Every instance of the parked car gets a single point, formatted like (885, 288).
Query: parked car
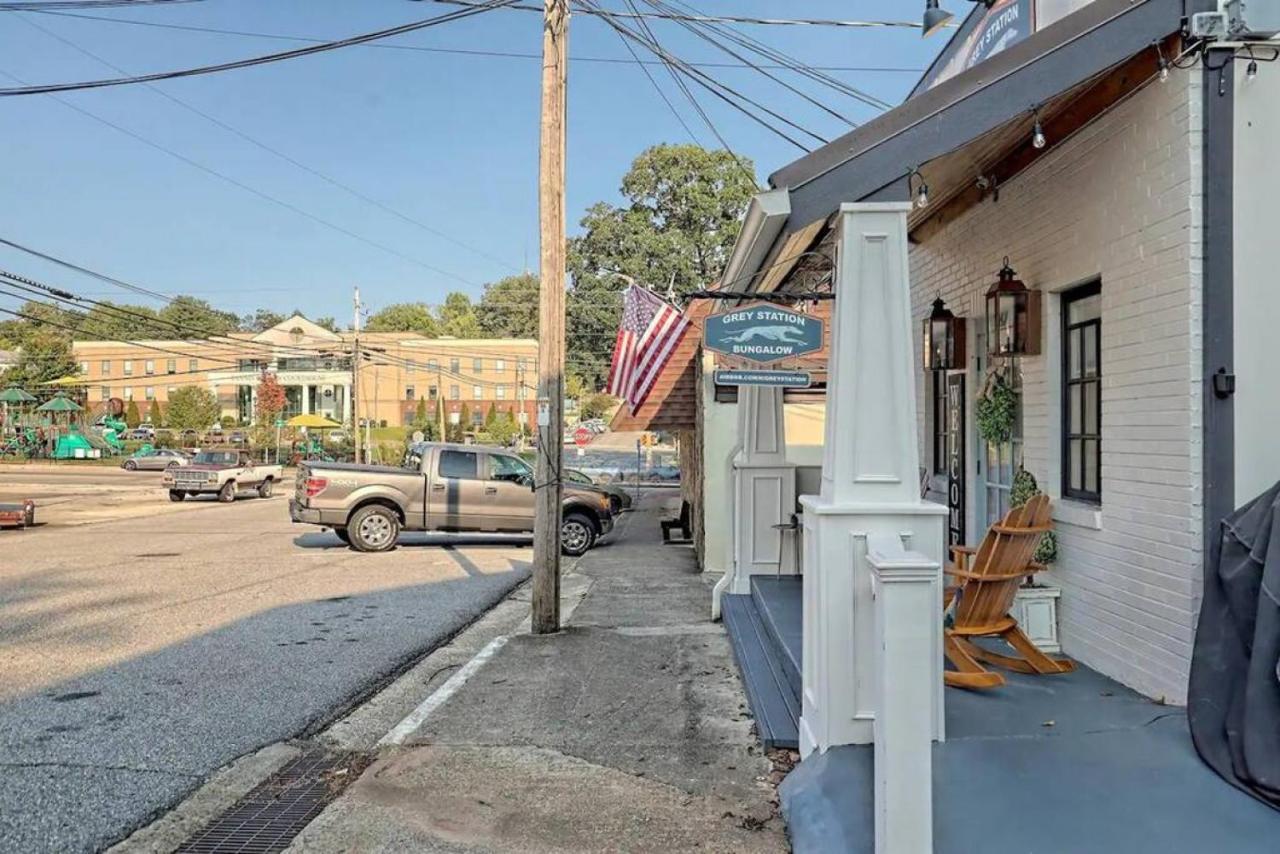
(156, 459)
(440, 487)
(619, 498)
(238, 437)
(228, 474)
(143, 434)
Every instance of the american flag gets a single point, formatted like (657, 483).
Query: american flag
(649, 333)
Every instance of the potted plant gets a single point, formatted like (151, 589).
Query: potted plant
(1036, 605)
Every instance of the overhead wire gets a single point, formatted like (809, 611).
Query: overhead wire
(274, 151)
(860, 69)
(337, 44)
(661, 94)
(733, 19)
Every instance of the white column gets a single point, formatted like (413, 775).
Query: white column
(870, 478)
(306, 399)
(907, 590)
(346, 403)
(764, 493)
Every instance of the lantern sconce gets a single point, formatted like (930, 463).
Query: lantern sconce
(1013, 316)
(944, 339)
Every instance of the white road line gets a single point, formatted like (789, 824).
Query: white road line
(441, 695)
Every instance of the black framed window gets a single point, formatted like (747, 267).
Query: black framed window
(1082, 393)
(939, 422)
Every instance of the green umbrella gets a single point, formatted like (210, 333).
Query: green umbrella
(59, 403)
(13, 394)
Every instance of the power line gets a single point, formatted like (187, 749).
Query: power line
(663, 95)
(703, 79)
(253, 190)
(727, 19)
(449, 17)
(45, 5)
(861, 69)
(276, 152)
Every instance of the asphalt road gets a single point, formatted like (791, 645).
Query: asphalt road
(139, 655)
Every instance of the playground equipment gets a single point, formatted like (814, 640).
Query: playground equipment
(74, 445)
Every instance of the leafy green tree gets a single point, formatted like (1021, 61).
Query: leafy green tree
(261, 320)
(45, 355)
(503, 429)
(328, 323)
(595, 406)
(155, 414)
(458, 317)
(575, 387)
(198, 318)
(509, 307)
(420, 413)
(491, 416)
(131, 415)
(193, 407)
(38, 319)
(682, 215)
(119, 321)
(405, 317)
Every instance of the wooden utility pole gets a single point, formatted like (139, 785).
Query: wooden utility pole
(355, 375)
(547, 507)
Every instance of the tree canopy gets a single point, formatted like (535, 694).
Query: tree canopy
(193, 407)
(509, 307)
(682, 214)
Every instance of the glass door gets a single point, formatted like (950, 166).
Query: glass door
(997, 462)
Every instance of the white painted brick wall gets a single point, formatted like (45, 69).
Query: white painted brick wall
(1120, 200)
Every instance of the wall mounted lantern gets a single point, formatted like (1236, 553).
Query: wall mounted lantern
(1013, 316)
(943, 339)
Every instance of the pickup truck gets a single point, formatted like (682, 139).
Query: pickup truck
(227, 474)
(439, 487)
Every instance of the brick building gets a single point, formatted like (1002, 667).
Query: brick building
(397, 371)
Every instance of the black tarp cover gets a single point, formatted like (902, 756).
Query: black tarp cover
(1233, 702)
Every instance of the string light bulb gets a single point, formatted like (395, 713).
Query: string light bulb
(922, 195)
(1037, 135)
(1164, 69)
(1251, 71)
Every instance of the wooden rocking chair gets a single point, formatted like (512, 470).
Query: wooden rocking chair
(988, 579)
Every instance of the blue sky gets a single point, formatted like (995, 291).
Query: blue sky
(448, 140)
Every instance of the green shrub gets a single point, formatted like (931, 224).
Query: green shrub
(1023, 489)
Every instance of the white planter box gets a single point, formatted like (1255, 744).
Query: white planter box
(1036, 610)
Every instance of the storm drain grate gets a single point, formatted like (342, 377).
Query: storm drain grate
(268, 818)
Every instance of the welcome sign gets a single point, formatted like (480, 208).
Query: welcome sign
(762, 333)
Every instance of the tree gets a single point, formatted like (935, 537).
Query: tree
(261, 320)
(45, 355)
(271, 399)
(111, 321)
(575, 387)
(503, 429)
(131, 415)
(420, 413)
(491, 416)
(509, 307)
(458, 317)
(197, 318)
(682, 216)
(327, 323)
(595, 406)
(193, 407)
(155, 414)
(405, 317)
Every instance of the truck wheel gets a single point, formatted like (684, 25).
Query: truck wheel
(228, 492)
(343, 535)
(577, 535)
(373, 528)
(176, 495)
(264, 489)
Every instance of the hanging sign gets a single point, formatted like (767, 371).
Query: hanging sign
(955, 459)
(762, 333)
(777, 379)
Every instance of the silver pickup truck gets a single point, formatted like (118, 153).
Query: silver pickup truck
(439, 487)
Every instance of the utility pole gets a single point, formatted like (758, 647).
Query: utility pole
(547, 506)
(440, 403)
(355, 376)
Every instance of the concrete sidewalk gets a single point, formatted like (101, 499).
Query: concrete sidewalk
(628, 731)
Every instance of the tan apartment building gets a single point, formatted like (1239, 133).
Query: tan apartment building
(397, 371)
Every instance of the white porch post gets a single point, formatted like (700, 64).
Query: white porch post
(306, 399)
(870, 481)
(346, 402)
(764, 490)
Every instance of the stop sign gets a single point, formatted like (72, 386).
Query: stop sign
(582, 436)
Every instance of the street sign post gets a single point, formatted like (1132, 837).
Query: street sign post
(776, 379)
(762, 333)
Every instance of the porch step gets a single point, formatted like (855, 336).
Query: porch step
(780, 601)
(774, 704)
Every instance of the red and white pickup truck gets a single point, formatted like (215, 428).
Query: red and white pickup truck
(227, 474)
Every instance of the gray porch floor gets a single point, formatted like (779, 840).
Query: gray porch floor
(1059, 764)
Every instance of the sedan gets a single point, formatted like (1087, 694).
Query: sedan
(159, 459)
(619, 498)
